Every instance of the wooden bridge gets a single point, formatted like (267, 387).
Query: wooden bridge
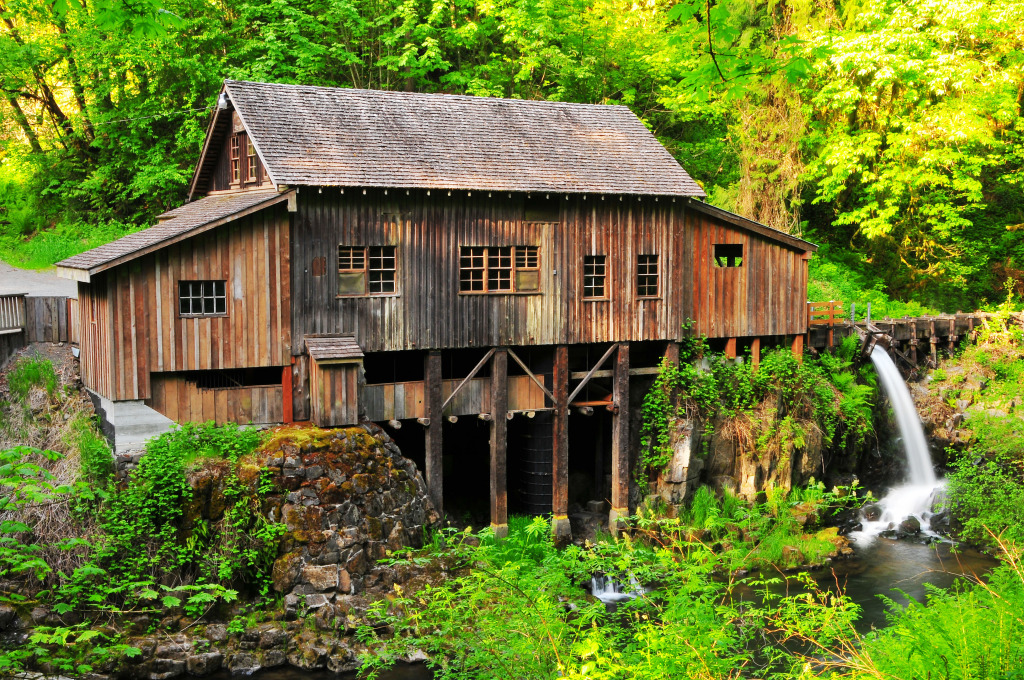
(915, 340)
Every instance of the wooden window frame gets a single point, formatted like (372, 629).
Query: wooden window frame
(365, 257)
(643, 264)
(727, 255)
(252, 163)
(524, 269)
(588, 275)
(234, 154)
(217, 292)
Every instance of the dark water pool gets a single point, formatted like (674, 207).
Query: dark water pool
(897, 569)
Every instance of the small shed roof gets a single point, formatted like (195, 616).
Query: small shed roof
(175, 225)
(333, 348)
(330, 136)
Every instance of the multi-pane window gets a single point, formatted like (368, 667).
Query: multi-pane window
(366, 270)
(728, 254)
(647, 276)
(202, 298)
(595, 273)
(236, 150)
(499, 269)
(252, 163)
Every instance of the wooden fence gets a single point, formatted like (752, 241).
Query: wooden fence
(12, 314)
(25, 319)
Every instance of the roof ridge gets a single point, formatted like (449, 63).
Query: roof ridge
(465, 97)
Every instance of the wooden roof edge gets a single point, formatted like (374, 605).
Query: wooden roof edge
(73, 273)
(750, 225)
(273, 199)
(193, 185)
(251, 137)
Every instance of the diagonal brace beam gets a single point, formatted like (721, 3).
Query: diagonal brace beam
(467, 379)
(532, 376)
(595, 369)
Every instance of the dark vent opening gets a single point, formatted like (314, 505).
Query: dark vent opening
(235, 377)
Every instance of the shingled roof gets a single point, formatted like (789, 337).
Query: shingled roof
(176, 224)
(330, 136)
(333, 348)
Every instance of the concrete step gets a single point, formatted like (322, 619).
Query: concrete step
(129, 424)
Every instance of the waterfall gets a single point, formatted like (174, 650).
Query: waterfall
(609, 591)
(915, 499)
(919, 460)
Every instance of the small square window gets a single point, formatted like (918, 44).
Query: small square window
(202, 298)
(366, 270)
(647, 276)
(595, 272)
(728, 254)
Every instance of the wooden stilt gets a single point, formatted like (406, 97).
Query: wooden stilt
(499, 431)
(798, 348)
(620, 440)
(730, 348)
(934, 343)
(286, 390)
(560, 455)
(672, 352)
(755, 353)
(433, 435)
(913, 342)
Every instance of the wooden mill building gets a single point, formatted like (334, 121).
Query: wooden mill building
(470, 271)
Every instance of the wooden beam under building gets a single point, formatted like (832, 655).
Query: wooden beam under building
(499, 442)
(560, 443)
(620, 440)
(433, 435)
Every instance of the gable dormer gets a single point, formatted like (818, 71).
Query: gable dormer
(230, 160)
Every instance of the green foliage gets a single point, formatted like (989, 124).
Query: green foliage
(29, 372)
(778, 398)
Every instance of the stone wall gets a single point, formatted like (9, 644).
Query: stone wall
(351, 497)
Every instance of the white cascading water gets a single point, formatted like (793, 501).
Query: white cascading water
(917, 496)
(609, 591)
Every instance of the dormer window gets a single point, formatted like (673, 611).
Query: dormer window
(252, 163)
(236, 150)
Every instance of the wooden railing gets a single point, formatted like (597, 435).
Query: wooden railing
(824, 313)
(12, 313)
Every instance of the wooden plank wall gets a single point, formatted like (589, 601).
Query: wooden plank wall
(182, 401)
(396, 401)
(765, 297)
(74, 322)
(9, 344)
(140, 307)
(334, 394)
(97, 334)
(46, 319)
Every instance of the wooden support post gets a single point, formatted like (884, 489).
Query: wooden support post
(730, 348)
(798, 348)
(755, 353)
(432, 436)
(672, 352)
(286, 390)
(499, 431)
(560, 443)
(934, 341)
(913, 343)
(620, 441)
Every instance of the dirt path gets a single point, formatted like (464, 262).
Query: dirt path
(35, 283)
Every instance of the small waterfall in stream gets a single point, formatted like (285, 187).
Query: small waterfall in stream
(609, 591)
(916, 497)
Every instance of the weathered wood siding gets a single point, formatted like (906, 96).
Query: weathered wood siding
(395, 401)
(766, 296)
(182, 401)
(138, 330)
(334, 393)
(97, 334)
(763, 297)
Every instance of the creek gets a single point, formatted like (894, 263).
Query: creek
(882, 568)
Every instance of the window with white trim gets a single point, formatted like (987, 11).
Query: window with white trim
(202, 298)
